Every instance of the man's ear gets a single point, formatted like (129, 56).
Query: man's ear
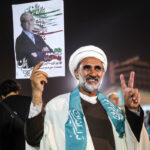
(76, 74)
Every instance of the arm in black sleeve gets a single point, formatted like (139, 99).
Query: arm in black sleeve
(34, 128)
(135, 122)
(44, 44)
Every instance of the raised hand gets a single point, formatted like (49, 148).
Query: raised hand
(131, 94)
(38, 78)
(45, 49)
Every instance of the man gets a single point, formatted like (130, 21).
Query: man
(85, 119)
(113, 96)
(13, 111)
(30, 48)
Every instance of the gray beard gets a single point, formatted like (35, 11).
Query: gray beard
(87, 87)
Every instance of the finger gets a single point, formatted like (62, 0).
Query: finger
(43, 80)
(37, 66)
(137, 100)
(136, 96)
(38, 77)
(139, 97)
(129, 92)
(123, 83)
(38, 72)
(131, 79)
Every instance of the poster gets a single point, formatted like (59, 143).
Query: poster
(39, 36)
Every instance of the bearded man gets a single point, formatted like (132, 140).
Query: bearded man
(85, 119)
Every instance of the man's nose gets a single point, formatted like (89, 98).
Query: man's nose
(93, 72)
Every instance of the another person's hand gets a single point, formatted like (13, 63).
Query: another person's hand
(131, 95)
(34, 54)
(45, 49)
(38, 78)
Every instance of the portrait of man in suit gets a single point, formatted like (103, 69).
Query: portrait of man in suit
(30, 48)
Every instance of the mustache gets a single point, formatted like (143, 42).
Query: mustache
(92, 78)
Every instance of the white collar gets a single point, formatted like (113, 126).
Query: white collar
(92, 100)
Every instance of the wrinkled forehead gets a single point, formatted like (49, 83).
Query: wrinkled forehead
(90, 61)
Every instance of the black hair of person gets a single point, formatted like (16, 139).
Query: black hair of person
(9, 86)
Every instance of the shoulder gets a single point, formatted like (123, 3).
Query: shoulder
(22, 34)
(18, 99)
(21, 37)
(26, 99)
(57, 110)
(58, 102)
(21, 97)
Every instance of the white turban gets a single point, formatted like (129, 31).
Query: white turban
(84, 52)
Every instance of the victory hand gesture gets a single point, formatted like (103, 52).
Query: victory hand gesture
(131, 95)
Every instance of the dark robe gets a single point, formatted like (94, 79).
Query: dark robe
(11, 130)
(99, 126)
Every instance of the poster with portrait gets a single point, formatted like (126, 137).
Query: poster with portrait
(39, 36)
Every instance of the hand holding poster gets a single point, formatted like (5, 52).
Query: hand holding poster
(39, 36)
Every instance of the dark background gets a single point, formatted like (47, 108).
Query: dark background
(121, 29)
